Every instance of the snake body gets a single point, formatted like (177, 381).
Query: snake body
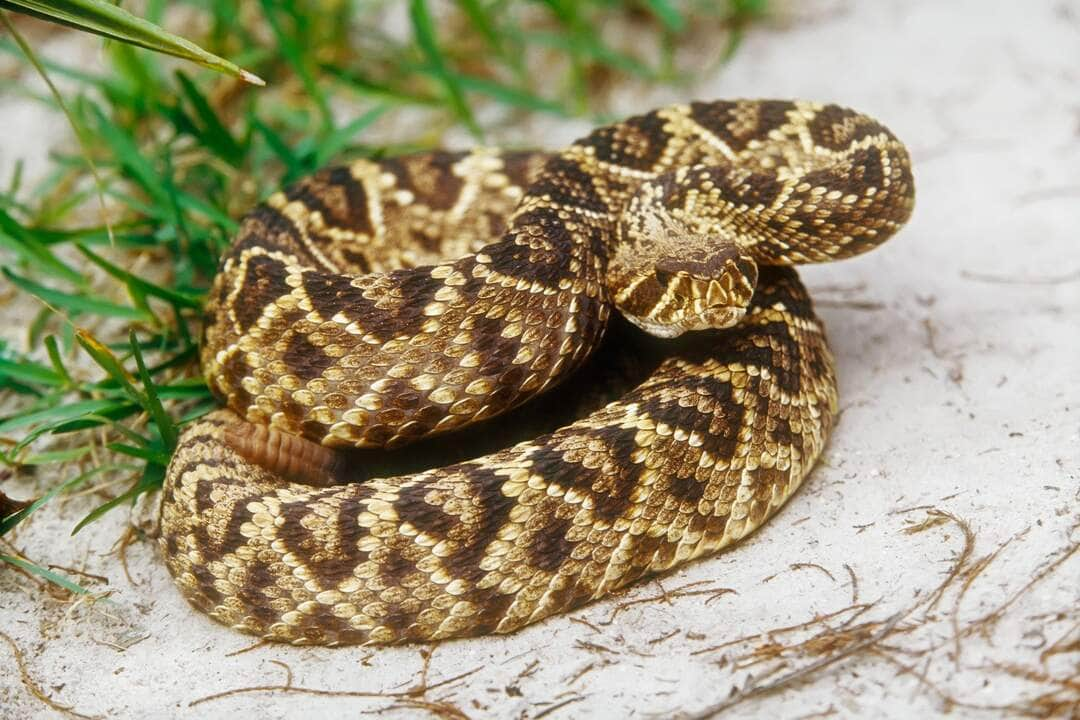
(381, 303)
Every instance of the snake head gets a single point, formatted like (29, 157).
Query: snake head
(697, 292)
(676, 264)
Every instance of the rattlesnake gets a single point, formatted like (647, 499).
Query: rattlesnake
(387, 301)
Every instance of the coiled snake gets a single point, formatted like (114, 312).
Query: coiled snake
(381, 303)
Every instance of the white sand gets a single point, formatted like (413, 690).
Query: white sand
(957, 347)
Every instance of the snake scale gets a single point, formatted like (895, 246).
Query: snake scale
(386, 302)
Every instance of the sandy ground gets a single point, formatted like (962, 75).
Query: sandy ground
(955, 463)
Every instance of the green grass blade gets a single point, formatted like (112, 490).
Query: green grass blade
(510, 96)
(55, 578)
(198, 411)
(185, 392)
(57, 415)
(150, 455)
(132, 435)
(111, 416)
(7, 523)
(31, 373)
(126, 152)
(127, 234)
(67, 302)
(110, 364)
(278, 145)
(297, 57)
(151, 478)
(108, 20)
(378, 91)
(480, 17)
(76, 127)
(213, 133)
(585, 46)
(58, 365)
(424, 33)
(186, 201)
(16, 179)
(671, 18)
(137, 284)
(336, 141)
(21, 241)
(153, 402)
(140, 73)
(55, 456)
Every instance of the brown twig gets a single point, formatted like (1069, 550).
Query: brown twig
(969, 578)
(815, 566)
(1063, 644)
(593, 647)
(122, 545)
(82, 573)
(996, 614)
(799, 674)
(248, 648)
(935, 517)
(586, 670)
(411, 697)
(1046, 705)
(665, 636)
(586, 623)
(666, 596)
(557, 706)
(790, 628)
(854, 584)
(9, 506)
(35, 689)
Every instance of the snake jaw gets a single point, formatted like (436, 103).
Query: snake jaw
(681, 295)
(714, 318)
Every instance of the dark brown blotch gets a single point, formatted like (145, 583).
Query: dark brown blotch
(205, 579)
(264, 282)
(837, 128)
(331, 294)
(304, 359)
(412, 507)
(780, 431)
(567, 183)
(492, 605)
(638, 142)
(480, 524)
(251, 593)
(337, 196)
(330, 562)
(394, 567)
(609, 486)
(707, 407)
(546, 546)
(549, 262)
(726, 120)
(435, 178)
(522, 168)
(266, 227)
